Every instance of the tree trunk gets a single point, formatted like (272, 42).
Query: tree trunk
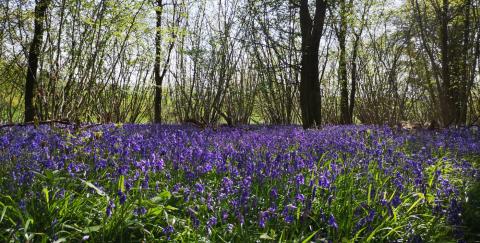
(342, 65)
(310, 98)
(41, 7)
(156, 69)
(447, 102)
(466, 68)
(354, 78)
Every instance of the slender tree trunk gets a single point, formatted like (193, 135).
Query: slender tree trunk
(41, 7)
(466, 67)
(310, 97)
(156, 69)
(354, 79)
(342, 65)
(53, 90)
(446, 98)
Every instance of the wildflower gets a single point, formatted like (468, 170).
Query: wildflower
(274, 193)
(300, 197)
(289, 219)
(299, 179)
(168, 230)
(230, 228)
(110, 207)
(396, 201)
(159, 164)
(122, 196)
(199, 187)
(323, 182)
(145, 182)
(224, 215)
(211, 222)
(263, 218)
(371, 215)
(332, 222)
(330, 199)
(140, 211)
(240, 218)
(227, 184)
(22, 204)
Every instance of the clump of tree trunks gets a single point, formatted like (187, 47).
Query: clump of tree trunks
(309, 62)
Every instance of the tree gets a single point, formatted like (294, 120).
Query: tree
(347, 103)
(159, 75)
(450, 41)
(156, 70)
(272, 33)
(311, 31)
(41, 7)
(342, 64)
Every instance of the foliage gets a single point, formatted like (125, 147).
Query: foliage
(123, 183)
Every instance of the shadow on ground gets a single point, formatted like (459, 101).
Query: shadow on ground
(471, 214)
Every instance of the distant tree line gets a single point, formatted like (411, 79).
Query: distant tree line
(239, 62)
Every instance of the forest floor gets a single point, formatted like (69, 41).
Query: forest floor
(124, 183)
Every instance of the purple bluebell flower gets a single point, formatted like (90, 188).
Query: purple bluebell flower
(168, 230)
(224, 216)
(323, 181)
(289, 219)
(274, 193)
(227, 184)
(300, 197)
(122, 196)
(145, 182)
(230, 228)
(240, 218)
(332, 222)
(199, 187)
(300, 179)
(140, 211)
(396, 201)
(212, 221)
(371, 215)
(110, 207)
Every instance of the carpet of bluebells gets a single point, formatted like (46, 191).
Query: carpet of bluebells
(143, 183)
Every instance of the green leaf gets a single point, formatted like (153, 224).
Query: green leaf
(165, 195)
(395, 230)
(369, 194)
(374, 232)
(49, 175)
(155, 211)
(430, 198)
(306, 240)
(98, 190)
(281, 236)
(60, 240)
(171, 208)
(3, 213)
(27, 224)
(91, 229)
(265, 236)
(45, 192)
(421, 197)
(121, 183)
